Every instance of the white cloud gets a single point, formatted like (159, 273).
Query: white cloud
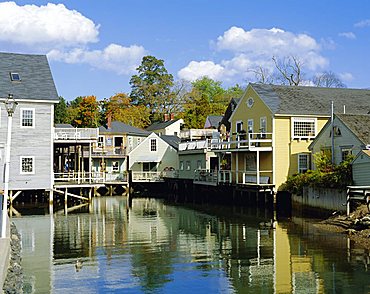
(49, 26)
(346, 76)
(363, 23)
(116, 58)
(195, 70)
(255, 48)
(348, 35)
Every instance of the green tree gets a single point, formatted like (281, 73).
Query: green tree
(151, 87)
(60, 112)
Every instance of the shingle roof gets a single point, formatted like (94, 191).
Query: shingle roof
(301, 100)
(118, 127)
(36, 79)
(160, 125)
(358, 124)
(173, 141)
(214, 120)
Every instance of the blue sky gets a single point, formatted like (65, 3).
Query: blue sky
(94, 46)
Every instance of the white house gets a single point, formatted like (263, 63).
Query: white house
(29, 79)
(169, 127)
(155, 154)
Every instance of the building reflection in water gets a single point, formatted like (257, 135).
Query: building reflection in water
(155, 246)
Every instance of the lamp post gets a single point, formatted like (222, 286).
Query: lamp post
(10, 105)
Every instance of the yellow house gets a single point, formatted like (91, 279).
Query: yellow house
(272, 127)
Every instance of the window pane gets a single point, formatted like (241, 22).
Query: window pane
(304, 128)
(303, 162)
(27, 118)
(27, 165)
(153, 145)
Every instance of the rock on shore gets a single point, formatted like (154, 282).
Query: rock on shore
(356, 225)
(14, 278)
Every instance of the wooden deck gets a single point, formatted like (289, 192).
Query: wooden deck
(358, 193)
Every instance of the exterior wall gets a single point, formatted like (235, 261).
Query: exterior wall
(193, 158)
(361, 170)
(287, 149)
(166, 156)
(347, 138)
(36, 142)
(330, 199)
(258, 110)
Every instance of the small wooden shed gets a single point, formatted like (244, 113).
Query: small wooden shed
(361, 168)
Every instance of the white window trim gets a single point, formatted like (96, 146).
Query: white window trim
(263, 118)
(236, 125)
(181, 165)
(103, 143)
(33, 118)
(33, 165)
(156, 145)
(303, 119)
(307, 155)
(188, 165)
(250, 124)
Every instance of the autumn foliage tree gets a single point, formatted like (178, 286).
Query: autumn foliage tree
(120, 108)
(87, 113)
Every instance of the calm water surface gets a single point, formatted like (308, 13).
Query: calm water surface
(154, 247)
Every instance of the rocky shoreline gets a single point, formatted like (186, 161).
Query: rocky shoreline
(14, 278)
(356, 226)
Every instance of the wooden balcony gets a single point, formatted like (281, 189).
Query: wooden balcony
(82, 178)
(244, 142)
(109, 151)
(76, 134)
(147, 176)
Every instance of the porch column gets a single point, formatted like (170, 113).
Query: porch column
(237, 167)
(90, 162)
(258, 167)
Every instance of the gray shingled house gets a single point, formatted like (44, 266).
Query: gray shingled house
(351, 135)
(29, 79)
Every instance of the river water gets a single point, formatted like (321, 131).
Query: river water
(156, 247)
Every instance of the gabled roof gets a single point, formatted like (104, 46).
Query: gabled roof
(300, 100)
(161, 125)
(358, 124)
(229, 110)
(214, 120)
(173, 141)
(36, 81)
(118, 127)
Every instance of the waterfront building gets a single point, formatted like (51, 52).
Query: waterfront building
(170, 126)
(115, 141)
(153, 157)
(272, 127)
(351, 135)
(28, 78)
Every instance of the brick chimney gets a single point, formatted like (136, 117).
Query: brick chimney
(166, 117)
(109, 120)
(172, 116)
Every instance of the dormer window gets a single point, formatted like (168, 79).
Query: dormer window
(15, 77)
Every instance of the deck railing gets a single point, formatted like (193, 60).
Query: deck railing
(89, 177)
(62, 134)
(146, 176)
(244, 141)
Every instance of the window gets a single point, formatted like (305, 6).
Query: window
(199, 164)
(27, 165)
(101, 141)
(250, 125)
(238, 126)
(303, 162)
(130, 143)
(181, 165)
(263, 124)
(303, 128)
(115, 166)
(15, 77)
(27, 117)
(153, 145)
(188, 165)
(346, 152)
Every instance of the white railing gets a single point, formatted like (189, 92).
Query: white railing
(194, 134)
(195, 145)
(244, 141)
(173, 174)
(204, 175)
(86, 177)
(142, 176)
(76, 133)
(99, 151)
(225, 176)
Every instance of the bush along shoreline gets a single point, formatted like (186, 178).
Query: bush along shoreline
(14, 278)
